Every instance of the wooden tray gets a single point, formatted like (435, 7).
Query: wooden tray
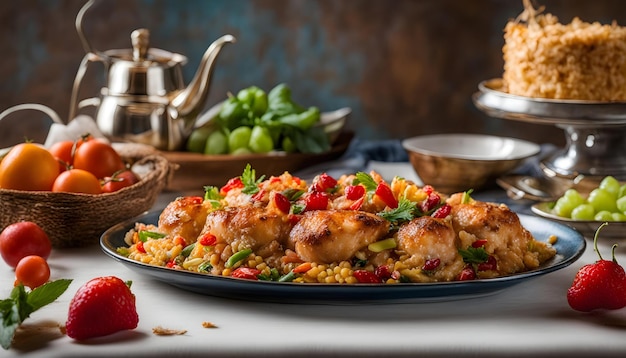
(198, 170)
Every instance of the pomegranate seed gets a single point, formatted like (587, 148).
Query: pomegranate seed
(430, 203)
(316, 201)
(324, 182)
(489, 265)
(431, 264)
(479, 243)
(442, 212)
(467, 274)
(364, 276)
(383, 272)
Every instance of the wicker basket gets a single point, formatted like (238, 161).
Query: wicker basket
(75, 220)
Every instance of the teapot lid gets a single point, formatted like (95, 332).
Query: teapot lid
(143, 70)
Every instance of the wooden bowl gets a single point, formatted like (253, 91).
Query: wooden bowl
(194, 170)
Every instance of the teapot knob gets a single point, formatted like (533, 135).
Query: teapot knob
(140, 39)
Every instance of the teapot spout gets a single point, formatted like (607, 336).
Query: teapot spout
(189, 102)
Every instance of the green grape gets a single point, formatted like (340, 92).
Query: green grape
(603, 216)
(601, 199)
(260, 140)
(197, 139)
(574, 197)
(610, 184)
(217, 143)
(241, 151)
(239, 138)
(563, 207)
(618, 217)
(583, 212)
(288, 145)
(622, 191)
(621, 204)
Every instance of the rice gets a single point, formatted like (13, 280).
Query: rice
(546, 59)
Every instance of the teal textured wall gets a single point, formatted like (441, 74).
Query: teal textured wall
(406, 67)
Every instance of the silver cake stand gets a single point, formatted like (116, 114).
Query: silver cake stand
(595, 132)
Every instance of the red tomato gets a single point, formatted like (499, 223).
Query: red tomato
(119, 180)
(383, 191)
(246, 272)
(354, 192)
(28, 166)
(62, 151)
(77, 181)
(98, 158)
(22, 239)
(32, 271)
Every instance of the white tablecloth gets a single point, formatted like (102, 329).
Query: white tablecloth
(530, 319)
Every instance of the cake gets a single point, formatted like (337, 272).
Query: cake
(577, 61)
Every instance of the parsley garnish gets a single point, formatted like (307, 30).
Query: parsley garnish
(466, 199)
(368, 182)
(474, 255)
(404, 212)
(250, 183)
(212, 194)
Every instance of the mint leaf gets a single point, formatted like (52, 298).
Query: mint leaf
(21, 304)
(47, 293)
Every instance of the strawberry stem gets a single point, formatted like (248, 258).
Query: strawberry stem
(595, 240)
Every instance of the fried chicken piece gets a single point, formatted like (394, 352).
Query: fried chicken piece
(183, 217)
(248, 226)
(327, 236)
(427, 238)
(506, 239)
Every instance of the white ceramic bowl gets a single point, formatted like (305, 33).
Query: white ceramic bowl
(459, 162)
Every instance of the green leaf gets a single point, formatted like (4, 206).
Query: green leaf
(367, 181)
(145, 235)
(212, 194)
(47, 293)
(474, 255)
(250, 183)
(21, 304)
(404, 212)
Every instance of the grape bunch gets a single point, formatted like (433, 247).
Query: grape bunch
(254, 121)
(607, 202)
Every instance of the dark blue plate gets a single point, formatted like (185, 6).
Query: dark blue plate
(570, 246)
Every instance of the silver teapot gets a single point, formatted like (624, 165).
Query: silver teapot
(145, 99)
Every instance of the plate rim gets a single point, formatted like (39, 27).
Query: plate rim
(408, 292)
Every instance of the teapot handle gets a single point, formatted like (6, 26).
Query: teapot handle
(35, 107)
(75, 104)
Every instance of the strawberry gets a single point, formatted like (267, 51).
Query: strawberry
(601, 285)
(102, 306)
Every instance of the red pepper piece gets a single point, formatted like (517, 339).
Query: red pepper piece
(282, 203)
(140, 247)
(246, 272)
(324, 182)
(383, 191)
(208, 239)
(316, 201)
(357, 204)
(231, 184)
(354, 192)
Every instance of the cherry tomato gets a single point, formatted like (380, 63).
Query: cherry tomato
(119, 180)
(28, 166)
(63, 152)
(98, 158)
(354, 192)
(22, 239)
(77, 181)
(282, 203)
(324, 182)
(32, 271)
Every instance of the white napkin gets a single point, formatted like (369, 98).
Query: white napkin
(76, 128)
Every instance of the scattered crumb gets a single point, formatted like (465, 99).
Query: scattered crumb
(160, 331)
(206, 324)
